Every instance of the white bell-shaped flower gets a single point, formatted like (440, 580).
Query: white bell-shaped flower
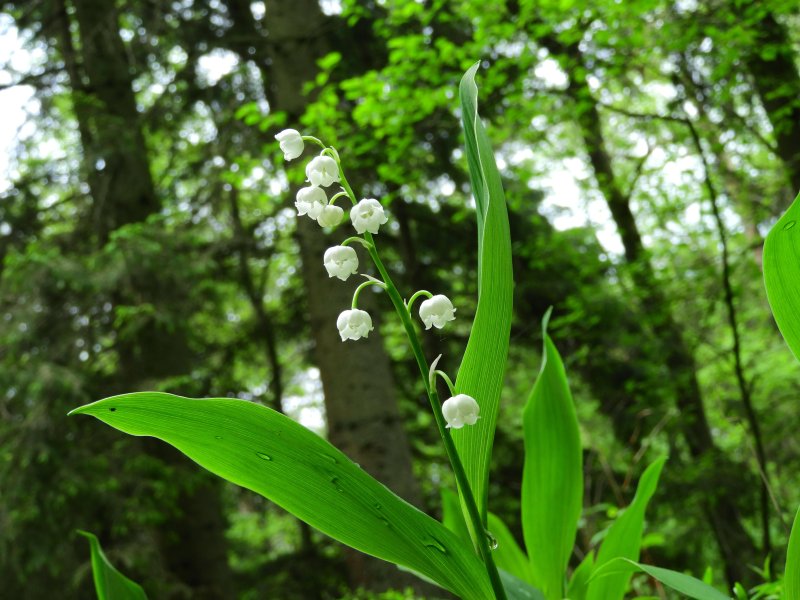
(330, 216)
(436, 311)
(322, 170)
(368, 215)
(310, 201)
(354, 324)
(460, 410)
(341, 262)
(291, 143)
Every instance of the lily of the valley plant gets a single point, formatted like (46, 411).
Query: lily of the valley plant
(472, 554)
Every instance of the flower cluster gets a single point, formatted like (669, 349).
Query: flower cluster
(366, 216)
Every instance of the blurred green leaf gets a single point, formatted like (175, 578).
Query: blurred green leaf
(552, 477)
(516, 589)
(508, 555)
(685, 584)
(579, 582)
(452, 517)
(782, 274)
(792, 577)
(265, 451)
(624, 538)
(109, 583)
(483, 366)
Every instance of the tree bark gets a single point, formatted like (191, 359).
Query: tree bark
(736, 547)
(771, 63)
(362, 410)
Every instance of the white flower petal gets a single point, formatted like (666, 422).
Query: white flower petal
(368, 215)
(354, 324)
(341, 262)
(330, 216)
(291, 143)
(436, 311)
(460, 410)
(322, 170)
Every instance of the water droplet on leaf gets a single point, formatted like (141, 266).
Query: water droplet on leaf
(789, 225)
(263, 456)
(492, 540)
(434, 544)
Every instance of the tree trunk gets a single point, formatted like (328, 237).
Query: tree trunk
(192, 542)
(772, 66)
(736, 547)
(362, 411)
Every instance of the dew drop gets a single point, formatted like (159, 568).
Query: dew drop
(385, 521)
(789, 225)
(377, 505)
(112, 409)
(329, 458)
(492, 540)
(263, 456)
(434, 544)
(335, 482)
(217, 437)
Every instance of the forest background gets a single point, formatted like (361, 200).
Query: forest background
(148, 241)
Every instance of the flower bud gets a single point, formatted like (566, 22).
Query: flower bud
(460, 410)
(341, 262)
(330, 216)
(354, 324)
(310, 201)
(322, 170)
(436, 311)
(291, 143)
(368, 215)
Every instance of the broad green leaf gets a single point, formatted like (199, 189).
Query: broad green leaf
(265, 451)
(516, 589)
(624, 538)
(552, 477)
(453, 517)
(508, 555)
(782, 274)
(109, 583)
(684, 584)
(791, 580)
(483, 366)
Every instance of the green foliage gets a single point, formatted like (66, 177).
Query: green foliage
(552, 478)
(508, 555)
(483, 365)
(265, 451)
(109, 583)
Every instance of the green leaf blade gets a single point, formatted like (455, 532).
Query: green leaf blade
(552, 477)
(624, 538)
(684, 584)
(265, 451)
(781, 261)
(109, 583)
(483, 366)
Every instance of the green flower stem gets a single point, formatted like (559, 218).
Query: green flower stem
(354, 305)
(416, 295)
(358, 239)
(452, 454)
(336, 196)
(447, 380)
(312, 139)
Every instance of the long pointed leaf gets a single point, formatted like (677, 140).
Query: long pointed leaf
(782, 274)
(483, 366)
(791, 580)
(624, 538)
(552, 477)
(265, 451)
(109, 583)
(685, 584)
(579, 582)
